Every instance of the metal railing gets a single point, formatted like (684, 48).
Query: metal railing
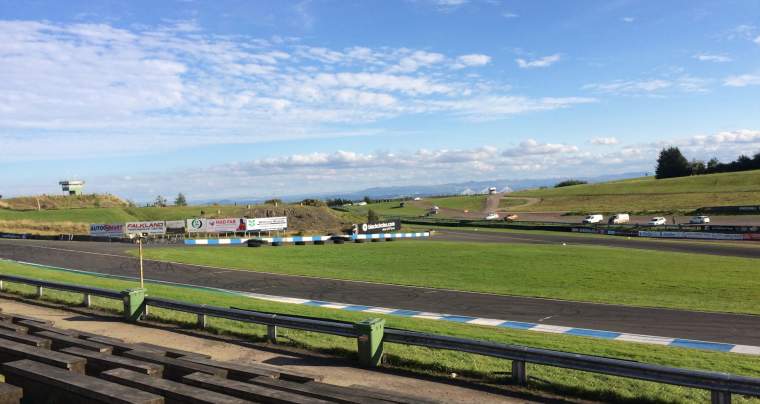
(721, 385)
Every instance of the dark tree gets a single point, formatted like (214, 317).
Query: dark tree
(180, 200)
(698, 167)
(712, 164)
(366, 199)
(672, 163)
(160, 202)
(372, 216)
(568, 183)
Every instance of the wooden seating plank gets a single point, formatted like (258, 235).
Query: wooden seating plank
(15, 318)
(173, 391)
(38, 327)
(27, 339)
(98, 362)
(317, 390)
(247, 391)
(172, 352)
(46, 384)
(174, 369)
(119, 346)
(13, 351)
(8, 326)
(246, 371)
(60, 341)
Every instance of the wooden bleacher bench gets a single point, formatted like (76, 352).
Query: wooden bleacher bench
(15, 318)
(32, 340)
(174, 369)
(60, 341)
(14, 351)
(247, 371)
(34, 326)
(172, 391)
(247, 391)
(99, 362)
(318, 390)
(119, 346)
(172, 352)
(46, 384)
(19, 329)
(10, 394)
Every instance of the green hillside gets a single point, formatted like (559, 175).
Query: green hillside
(650, 194)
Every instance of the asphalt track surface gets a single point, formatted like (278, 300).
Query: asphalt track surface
(110, 258)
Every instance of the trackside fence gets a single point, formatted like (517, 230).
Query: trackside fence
(371, 335)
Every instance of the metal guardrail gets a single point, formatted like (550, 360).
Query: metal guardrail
(721, 385)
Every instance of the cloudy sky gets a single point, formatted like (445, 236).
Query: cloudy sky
(269, 98)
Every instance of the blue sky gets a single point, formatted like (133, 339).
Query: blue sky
(254, 98)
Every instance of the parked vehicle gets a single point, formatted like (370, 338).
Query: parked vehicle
(658, 221)
(700, 220)
(591, 219)
(417, 198)
(492, 216)
(510, 218)
(619, 218)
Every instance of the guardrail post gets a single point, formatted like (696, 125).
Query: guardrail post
(39, 292)
(2, 286)
(86, 300)
(519, 375)
(720, 397)
(370, 341)
(272, 334)
(201, 321)
(134, 303)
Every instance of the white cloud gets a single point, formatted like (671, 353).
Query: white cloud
(743, 80)
(628, 19)
(473, 59)
(605, 141)
(704, 57)
(496, 107)
(757, 40)
(415, 61)
(509, 15)
(545, 61)
(650, 87)
(532, 147)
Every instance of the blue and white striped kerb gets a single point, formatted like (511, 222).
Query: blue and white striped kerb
(215, 241)
(518, 325)
(380, 236)
(303, 239)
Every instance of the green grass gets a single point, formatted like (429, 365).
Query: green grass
(387, 209)
(473, 203)
(510, 202)
(650, 194)
(572, 272)
(437, 363)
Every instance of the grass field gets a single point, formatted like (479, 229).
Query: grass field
(387, 209)
(581, 273)
(474, 203)
(649, 194)
(432, 362)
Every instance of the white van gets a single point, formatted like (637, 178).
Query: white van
(620, 218)
(590, 219)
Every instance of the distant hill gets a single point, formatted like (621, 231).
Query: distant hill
(40, 202)
(649, 194)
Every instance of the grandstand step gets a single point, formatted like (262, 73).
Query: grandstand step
(10, 394)
(34, 326)
(172, 352)
(119, 346)
(46, 384)
(172, 391)
(99, 362)
(60, 341)
(174, 369)
(247, 391)
(247, 371)
(18, 329)
(14, 351)
(16, 318)
(27, 339)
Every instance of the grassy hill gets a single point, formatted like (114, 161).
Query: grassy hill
(472, 203)
(62, 202)
(650, 194)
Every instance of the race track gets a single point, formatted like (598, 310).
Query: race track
(110, 258)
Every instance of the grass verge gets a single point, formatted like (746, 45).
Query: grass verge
(437, 363)
(570, 272)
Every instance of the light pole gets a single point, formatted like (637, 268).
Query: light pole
(140, 249)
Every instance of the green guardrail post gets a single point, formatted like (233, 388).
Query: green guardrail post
(134, 301)
(370, 341)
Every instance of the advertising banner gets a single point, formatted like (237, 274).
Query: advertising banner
(380, 227)
(266, 223)
(175, 226)
(151, 228)
(107, 230)
(202, 225)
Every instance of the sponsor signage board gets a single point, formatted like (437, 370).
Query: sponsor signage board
(107, 230)
(692, 235)
(175, 226)
(203, 225)
(379, 227)
(266, 223)
(153, 228)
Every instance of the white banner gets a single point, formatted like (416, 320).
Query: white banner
(692, 235)
(107, 230)
(155, 227)
(267, 223)
(175, 224)
(202, 225)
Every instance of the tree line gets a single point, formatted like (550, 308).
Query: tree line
(671, 163)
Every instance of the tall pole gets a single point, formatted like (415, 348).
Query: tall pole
(139, 245)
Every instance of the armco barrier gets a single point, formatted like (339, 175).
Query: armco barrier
(371, 336)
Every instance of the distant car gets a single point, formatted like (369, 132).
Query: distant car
(510, 218)
(619, 218)
(591, 219)
(492, 216)
(658, 221)
(699, 220)
(417, 198)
